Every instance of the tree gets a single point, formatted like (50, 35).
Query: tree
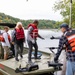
(64, 7)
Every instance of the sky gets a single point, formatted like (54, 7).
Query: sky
(31, 9)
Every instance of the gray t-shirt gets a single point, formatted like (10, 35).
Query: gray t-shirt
(29, 38)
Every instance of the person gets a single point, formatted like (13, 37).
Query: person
(67, 40)
(32, 35)
(1, 49)
(5, 41)
(18, 38)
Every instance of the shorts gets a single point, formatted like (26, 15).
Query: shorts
(6, 49)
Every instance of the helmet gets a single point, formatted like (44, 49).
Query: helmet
(64, 25)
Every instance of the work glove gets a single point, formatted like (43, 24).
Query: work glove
(52, 37)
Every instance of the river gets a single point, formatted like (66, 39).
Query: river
(47, 42)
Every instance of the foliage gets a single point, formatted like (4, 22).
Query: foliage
(64, 7)
(43, 24)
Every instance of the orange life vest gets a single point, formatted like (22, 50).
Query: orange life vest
(34, 33)
(20, 34)
(71, 41)
(2, 38)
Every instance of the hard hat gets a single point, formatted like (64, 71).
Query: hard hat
(64, 25)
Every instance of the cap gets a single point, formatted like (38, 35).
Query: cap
(65, 25)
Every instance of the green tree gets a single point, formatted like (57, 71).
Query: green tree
(64, 7)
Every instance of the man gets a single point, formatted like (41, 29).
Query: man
(68, 39)
(18, 38)
(31, 39)
(5, 40)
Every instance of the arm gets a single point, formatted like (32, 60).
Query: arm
(62, 41)
(13, 35)
(54, 37)
(30, 29)
(40, 36)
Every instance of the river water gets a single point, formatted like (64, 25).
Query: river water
(47, 42)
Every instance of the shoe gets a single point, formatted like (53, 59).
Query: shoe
(17, 59)
(21, 56)
(37, 58)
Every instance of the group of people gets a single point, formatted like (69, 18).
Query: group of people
(17, 38)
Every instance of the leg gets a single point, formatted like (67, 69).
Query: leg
(36, 49)
(2, 52)
(16, 47)
(21, 49)
(12, 49)
(30, 50)
(73, 67)
(69, 70)
(63, 72)
(6, 52)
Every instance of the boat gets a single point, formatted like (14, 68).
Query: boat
(8, 67)
(41, 66)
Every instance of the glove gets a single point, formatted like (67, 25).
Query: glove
(52, 37)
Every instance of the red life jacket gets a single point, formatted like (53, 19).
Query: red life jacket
(71, 41)
(19, 34)
(34, 33)
(2, 38)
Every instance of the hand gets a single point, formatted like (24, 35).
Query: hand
(52, 37)
(12, 43)
(43, 38)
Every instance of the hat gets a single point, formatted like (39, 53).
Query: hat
(64, 25)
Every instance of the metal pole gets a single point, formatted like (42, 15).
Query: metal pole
(70, 25)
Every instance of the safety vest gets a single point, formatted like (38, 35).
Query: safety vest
(71, 41)
(34, 33)
(2, 38)
(19, 34)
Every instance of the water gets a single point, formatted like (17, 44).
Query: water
(44, 44)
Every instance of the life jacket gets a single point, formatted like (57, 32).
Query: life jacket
(2, 38)
(34, 33)
(71, 40)
(19, 34)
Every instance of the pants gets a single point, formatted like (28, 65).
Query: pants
(1, 52)
(63, 59)
(12, 49)
(30, 44)
(70, 68)
(18, 49)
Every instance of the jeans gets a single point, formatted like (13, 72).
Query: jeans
(18, 49)
(30, 44)
(70, 68)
